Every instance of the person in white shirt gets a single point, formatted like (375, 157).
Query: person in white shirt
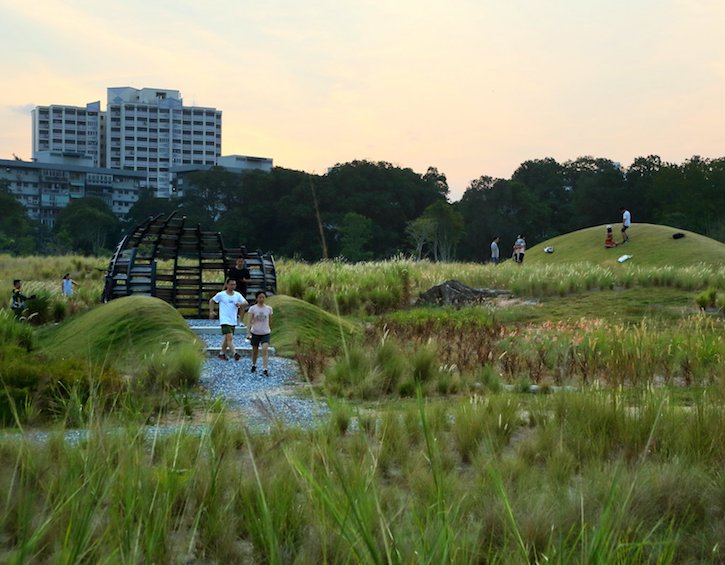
(494, 250)
(519, 249)
(260, 317)
(626, 222)
(230, 303)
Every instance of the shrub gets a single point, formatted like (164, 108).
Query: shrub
(15, 332)
(425, 364)
(33, 383)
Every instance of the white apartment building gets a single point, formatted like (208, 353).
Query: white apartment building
(45, 188)
(75, 130)
(150, 130)
(147, 130)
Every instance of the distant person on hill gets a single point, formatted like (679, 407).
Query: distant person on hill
(240, 273)
(67, 284)
(18, 299)
(260, 317)
(519, 249)
(609, 240)
(230, 302)
(626, 222)
(494, 250)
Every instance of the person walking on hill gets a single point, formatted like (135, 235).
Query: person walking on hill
(626, 222)
(494, 250)
(260, 328)
(520, 249)
(230, 302)
(67, 284)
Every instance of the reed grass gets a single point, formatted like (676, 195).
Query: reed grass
(568, 478)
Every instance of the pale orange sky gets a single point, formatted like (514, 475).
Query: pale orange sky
(472, 87)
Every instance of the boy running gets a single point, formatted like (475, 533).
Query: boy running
(230, 302)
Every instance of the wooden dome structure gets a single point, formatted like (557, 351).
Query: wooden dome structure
(180, 264)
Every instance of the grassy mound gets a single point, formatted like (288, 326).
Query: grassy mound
(123, 333)
(298, 324)
(649, 245)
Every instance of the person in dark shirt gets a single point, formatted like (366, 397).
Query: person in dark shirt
(19, 298)
(240, 273)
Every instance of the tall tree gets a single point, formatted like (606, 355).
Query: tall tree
(448, 223)
(88, 225)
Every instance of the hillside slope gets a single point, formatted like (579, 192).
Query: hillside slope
(123, 331)
(649, 245)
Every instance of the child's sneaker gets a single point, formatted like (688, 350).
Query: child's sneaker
(254, 368)
(265, 373)
(237, 357)
(223, 357)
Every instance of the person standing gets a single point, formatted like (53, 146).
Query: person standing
(260, 328)
(240, 273)
(519, 249)
(66, 285)
(626, 222)
(230, 302)
(494, 250)
(18, 303)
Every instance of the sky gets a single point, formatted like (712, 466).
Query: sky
(471, 87)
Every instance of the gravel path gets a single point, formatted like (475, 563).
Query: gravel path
(264, 401)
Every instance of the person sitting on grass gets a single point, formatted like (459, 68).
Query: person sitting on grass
(609, 240)
(260, 316)
(230, 303)
(18, 304)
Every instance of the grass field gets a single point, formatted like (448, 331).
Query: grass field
(436, 451)
(649, 245)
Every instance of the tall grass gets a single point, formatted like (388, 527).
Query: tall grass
(382, 286)
(571, 478)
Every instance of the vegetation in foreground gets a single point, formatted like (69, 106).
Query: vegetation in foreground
(123, 354)
(603, 477)
(429, 454)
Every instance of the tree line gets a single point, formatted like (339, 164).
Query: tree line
(371, 210)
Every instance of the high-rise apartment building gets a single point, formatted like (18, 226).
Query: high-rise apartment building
(147, 130)
(74, 130)
(150, 130)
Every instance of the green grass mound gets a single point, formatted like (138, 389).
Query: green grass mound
(124, 333)
(298, 324)
(650, 245)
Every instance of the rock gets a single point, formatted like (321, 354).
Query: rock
(454, 293)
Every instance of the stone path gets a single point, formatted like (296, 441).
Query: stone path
(263, 401)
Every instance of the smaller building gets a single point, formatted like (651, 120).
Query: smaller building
(45, 188)
(231, 163)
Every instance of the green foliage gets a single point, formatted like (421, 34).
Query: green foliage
(137, 335)
(37, 386)
(88, 226)
(13, 331)
(18, 233)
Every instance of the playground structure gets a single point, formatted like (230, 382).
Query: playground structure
(180, 264)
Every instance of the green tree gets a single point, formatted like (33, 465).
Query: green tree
(355, 234)
(421, 232)
(88, 225)
(17, 231)
(448, 224)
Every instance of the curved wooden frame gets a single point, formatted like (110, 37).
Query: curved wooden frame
(180, 264)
